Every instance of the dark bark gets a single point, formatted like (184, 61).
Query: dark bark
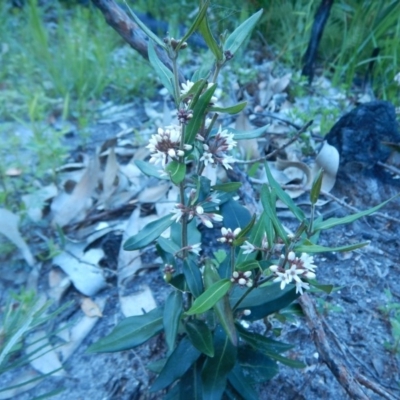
(117, 18)
(320, 19)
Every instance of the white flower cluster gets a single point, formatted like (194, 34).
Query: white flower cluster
(228, 236)
(302, 267)
(242, 278)
(215, 151)
(192, 211)
(166, 144)
(248, 247)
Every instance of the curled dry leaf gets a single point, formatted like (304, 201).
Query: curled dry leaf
(59, 282)
(34, 202)
(328, 159)
(72, 207)
(90, 308)
(110, 175)
(249, 148)
(82, 268)
(154, 194)
(9, 228)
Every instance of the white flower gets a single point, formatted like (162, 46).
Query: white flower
(242, 281)
(247, 274)
(228, 138)
(207, 158)
(283, 278)
(308, 262)
(199, 210)
(291, 256)
(195, 248)
(186, 87)
(247, 247)
(216, 217)
(300, 286)
(226, 161)
(274, 268)
(214, 198)
(246, 312)
(207, 223)
(177, 213)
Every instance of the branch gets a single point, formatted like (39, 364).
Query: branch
(117, 18)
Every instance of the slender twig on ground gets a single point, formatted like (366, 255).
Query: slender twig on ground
(390, 168)
(337, 364)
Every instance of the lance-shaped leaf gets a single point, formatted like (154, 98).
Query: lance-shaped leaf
(264, 300)
(230, 110)
(298, 212)
(222, 308)
(332, 222)
(215, 370)
(193, 277)
(200, 336)
(168, 245)
(241, 33)
(308, 247)
(207, 299)
(145, 29)
(131, 332)
(149, 169)
(172, 314)
(316, 186)
(269, 204)
(148, 234)
(247, 265)
(199, 109)
(190, 383)
(227, 187)
(205, 31)
(176, 171)
(253, 134)
(177, 364)
(165, 75)
(241, 384)
(235, 215)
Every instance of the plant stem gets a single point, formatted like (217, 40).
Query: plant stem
(244, 295)
(232, 259)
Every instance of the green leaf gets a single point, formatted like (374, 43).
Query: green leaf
(199, 110)
(200, 336)
(315, 248)
(172, 314)
(222, 308)
(207, 299)
(316, 186)
(268, 203)
(215, 370)
(177, 364)
(165, 75)
(265, 300)
(193, 277)
(325, 288)
(239, 382)
(257, 366)
(241, 237)
(332, 222)
(144, 28)
(227, 187)
(148, 234)
(190, 383)
(150, 169)
(241, 33)
(247, 265)
(205, 31)
(179, 282)
(230, 110)
(244, 135)
(297, 212)
(235, 215)
(196, 23)
(130, 332)
(176, 171)
(168, 245)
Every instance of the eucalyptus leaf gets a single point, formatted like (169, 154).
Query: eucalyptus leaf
(172, 313)
(177, 364)
(130, 332)
(332, 222)
(200, 336)
(176, 171)
(215, 370)
(208, 299)
(241, 33)
(230, 110)
(148, 234)
(149, 169)
(165, 75)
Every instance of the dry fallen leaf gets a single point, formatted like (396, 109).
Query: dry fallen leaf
(137, 303)
(34, 202)
(328, 159)
(90, 308)
(9, 228)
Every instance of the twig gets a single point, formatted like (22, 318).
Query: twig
(117, 18)
(339, 369)
(276, 151)
(390, 168)
(349, 380)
